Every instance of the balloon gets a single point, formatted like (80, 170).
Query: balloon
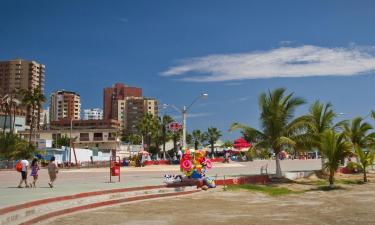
(208, 164)
(186, 165)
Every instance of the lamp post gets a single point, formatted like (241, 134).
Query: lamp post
(184, 111)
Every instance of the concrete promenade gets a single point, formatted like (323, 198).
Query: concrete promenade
(74, 181)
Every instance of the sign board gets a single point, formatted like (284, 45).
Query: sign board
(174, 126)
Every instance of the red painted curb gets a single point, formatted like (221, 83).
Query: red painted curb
(99, 204)
(75, 196)
(240, 180)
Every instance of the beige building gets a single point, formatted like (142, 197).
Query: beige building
(104, 139)
(64, 105)
(131, 109)
(20, 74)
(151, 106)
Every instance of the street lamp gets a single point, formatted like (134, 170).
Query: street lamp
(183, 111)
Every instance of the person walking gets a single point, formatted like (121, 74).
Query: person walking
(52, 171)
(25, 165)
(34, 171)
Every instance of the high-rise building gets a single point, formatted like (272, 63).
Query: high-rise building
(22, 74)
(111, 95)
(151, 106)
(64, 105)
(134, 111)
(93, 114)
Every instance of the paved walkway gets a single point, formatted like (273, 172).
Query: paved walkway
(75, 181)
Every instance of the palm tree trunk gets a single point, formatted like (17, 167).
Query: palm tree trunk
(5, 122)
(14, 119)
(212, 150)
(278, 167)
(331, 178)
(164, 147)
(196, 145)
(364, 175)
(32, 123)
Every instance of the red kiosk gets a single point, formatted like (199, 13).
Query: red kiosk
(114, 168)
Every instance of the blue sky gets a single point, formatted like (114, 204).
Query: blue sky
(176, 50)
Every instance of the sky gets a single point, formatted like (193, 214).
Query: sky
(177, 50)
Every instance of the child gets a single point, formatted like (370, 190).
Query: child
(34, 171)
(52, 171)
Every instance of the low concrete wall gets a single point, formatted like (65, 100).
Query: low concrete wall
(298, 174)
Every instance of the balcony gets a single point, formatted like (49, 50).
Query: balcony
(111, 138)
(84, 139)
(98, 138)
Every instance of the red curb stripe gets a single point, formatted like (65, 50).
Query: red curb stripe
(246, 179)
(99, 204)
(75, 196)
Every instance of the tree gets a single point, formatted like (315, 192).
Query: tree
(227, 144)
(197, 137)
(319, 119)
(166, 134)
(212, 135)
(357, 132)
(145, 126)
(14, 147)
(334, 147)
(279, 129)
(33, 99)
(365, 159)
(62, 141)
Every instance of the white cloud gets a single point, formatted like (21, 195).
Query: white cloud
(300, 61)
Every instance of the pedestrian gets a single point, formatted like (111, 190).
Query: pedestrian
(52, 171)
(25, 165)
(34, 171)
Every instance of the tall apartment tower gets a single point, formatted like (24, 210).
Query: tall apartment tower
(93, 114)
(111, 95)
(64, 105)
(151, 106)
(20, 74)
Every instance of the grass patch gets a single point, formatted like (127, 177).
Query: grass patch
(266, 189)
(329, 188)
(349, 181)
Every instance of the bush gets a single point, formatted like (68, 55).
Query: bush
(354, 167)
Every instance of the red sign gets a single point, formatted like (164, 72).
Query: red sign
(174, 126)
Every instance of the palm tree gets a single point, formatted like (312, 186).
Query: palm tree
(166, 120)
(197, 137)
(212, 135)
(145, 126)
(334, 147)
(357, 132)
(366, 159)
(33, 99)
(319, 119)
(279, 128)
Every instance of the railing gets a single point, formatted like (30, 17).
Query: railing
(8, 164)
(84, 139)
(98, 138)
(111, 138)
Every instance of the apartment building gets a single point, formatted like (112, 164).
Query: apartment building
(93, 114)
(20, 74)
(64, 105)
(111, 95)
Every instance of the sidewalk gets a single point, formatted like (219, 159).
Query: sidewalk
(74, 181)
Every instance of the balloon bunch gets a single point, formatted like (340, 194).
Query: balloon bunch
(195, 165)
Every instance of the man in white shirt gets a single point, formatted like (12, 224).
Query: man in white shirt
(25, 165)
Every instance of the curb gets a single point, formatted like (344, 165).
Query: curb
(75, 196)
(99, 204)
